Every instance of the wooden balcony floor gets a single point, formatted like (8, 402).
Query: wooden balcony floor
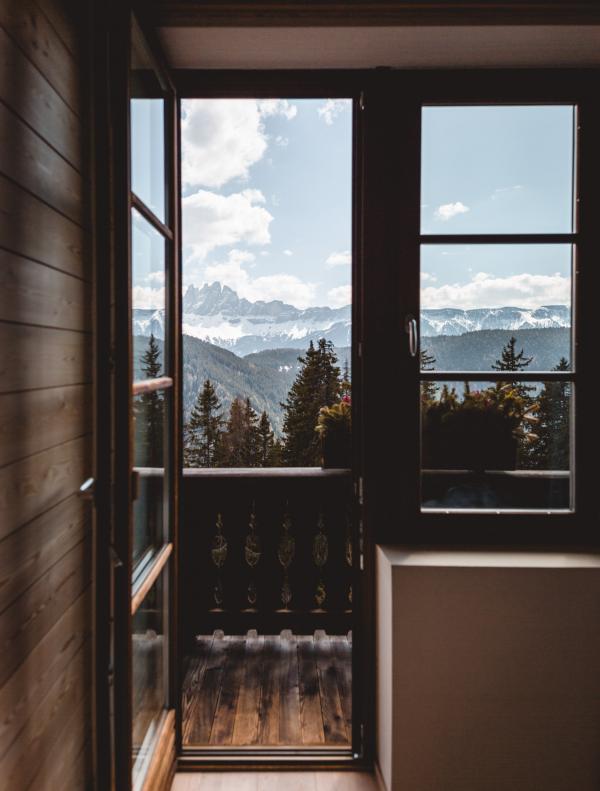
(269, 691)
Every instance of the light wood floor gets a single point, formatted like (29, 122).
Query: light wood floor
(274, 781)
(269, 690)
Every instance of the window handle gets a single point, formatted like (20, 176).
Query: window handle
(410, 326)
(87, 490)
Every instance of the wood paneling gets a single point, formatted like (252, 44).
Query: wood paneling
(40, 419)
(30, 95)
(32, 293)
(28, 160)
(27, 553)
(31, 30)
(33, 229)
(33, 485)
(45, 403)
(41, 357)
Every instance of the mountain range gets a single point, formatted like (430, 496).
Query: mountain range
(216, 314)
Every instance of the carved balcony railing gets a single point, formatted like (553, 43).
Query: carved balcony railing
(266, 549)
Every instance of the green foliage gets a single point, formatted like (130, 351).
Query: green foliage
(427, 361)
(202, 435)
(551, 452)
(149, 413)
(317, 384)
(510, 359)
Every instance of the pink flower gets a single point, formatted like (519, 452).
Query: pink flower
(346, 399)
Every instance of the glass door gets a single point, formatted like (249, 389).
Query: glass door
(146, 441)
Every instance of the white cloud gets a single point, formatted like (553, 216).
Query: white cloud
(233, 272)
(288, 252)
(281, 141)
(156, 277)
(146, 297)
(211, 220)
(446, 211)
(485, 291)
(332, 108)
(426, 277)
(269, 107)
(223, 138)
(503, 190)
(340, 296)
(342, 258)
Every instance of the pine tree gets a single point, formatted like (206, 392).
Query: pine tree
(346, 385)
(203, 430)
(251, 438)
(232, 452)
(428, 389)
(266, 442)
(552, 450)
(149, 413)
(316, 385)
(510, 360)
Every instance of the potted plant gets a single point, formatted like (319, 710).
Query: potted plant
(334, 427)
(482, 431)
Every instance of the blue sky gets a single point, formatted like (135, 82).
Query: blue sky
(267, 201)
(496, 170)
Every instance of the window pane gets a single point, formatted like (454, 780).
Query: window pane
(496, 445)
(148, 677)
(148, 298)
(476, 298)
(497, 169)
(147, 130)
(267, 274)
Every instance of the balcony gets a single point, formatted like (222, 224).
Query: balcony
(266, 615)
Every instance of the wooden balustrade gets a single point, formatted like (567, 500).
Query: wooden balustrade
(266, 549)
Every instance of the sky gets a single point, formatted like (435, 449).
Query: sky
(267, 200)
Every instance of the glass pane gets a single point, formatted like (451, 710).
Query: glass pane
(476, 298)
(496, 445)
(147, 130)
(148, 674)
(149, 418)
(267, 276)
(148, 298)
(497, 169)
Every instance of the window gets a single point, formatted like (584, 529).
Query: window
(497, 262)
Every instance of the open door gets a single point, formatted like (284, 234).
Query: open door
(145, 403)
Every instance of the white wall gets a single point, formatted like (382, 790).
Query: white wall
(488, 671)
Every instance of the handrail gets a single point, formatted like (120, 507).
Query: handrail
(151, 385)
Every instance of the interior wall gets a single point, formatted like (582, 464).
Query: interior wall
(45, 403)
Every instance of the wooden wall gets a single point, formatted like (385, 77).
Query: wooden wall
(45, 403)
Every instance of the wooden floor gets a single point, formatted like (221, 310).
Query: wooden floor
(277, 691)
(274, 781)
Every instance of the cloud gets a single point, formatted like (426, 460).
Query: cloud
(146, 297)
(222, 138)
(156, 277)
(428, 278)
(343, 258)
(233, 272)
(340, 296)
(332, 108)
(503, 190)
(288, 252)
(211, 220)
(485, 291)
(281, 141)
(447, 211)
(270, 107)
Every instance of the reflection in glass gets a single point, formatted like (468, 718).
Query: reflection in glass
(497, 169)
(149, 414)
(148, 676)
(148, 298)
(474, 298)
(147, 108)
(500, 445)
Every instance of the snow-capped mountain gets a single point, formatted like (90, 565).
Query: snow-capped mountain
(451, 321)
(216, 314)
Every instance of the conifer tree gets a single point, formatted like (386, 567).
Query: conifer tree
(428, 389)
(203, 429)
(316, 385)
(234, 447)
(266, 442)
(551, 451)
(149, 412)
(510, 360)
(250, 441)
(346, 385)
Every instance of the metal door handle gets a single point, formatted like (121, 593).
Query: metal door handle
(410, 326)
(86, 490)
